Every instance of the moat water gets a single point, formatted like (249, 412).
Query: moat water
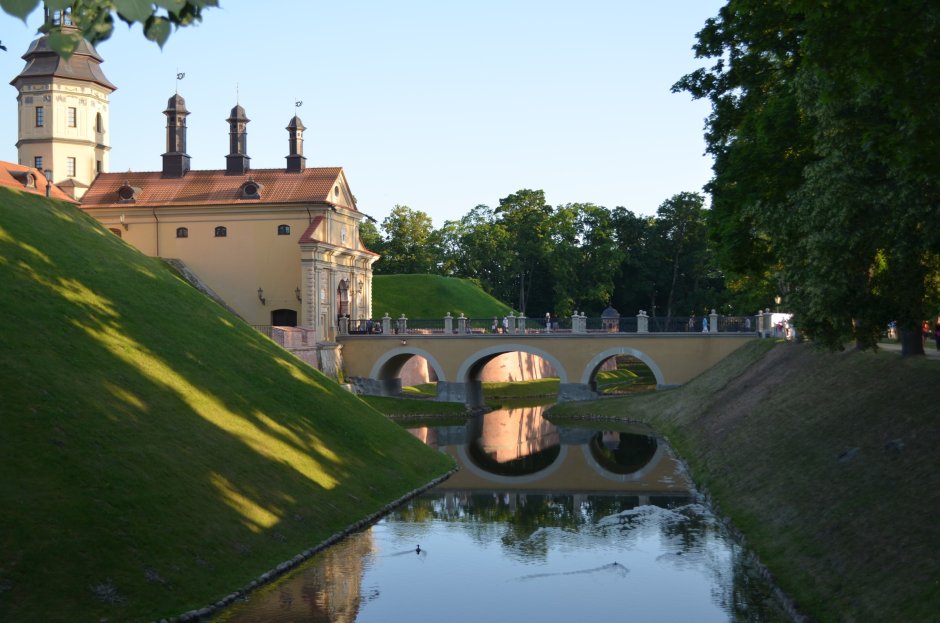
(541, 523)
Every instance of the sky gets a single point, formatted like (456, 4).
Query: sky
(440, 106)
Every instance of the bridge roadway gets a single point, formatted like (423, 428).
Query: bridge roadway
(373, 363)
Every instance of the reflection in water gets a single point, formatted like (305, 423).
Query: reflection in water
(623, 453)
(521, 548)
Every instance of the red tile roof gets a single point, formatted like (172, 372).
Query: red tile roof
(15, 176)
(307, 236)
(312, 185)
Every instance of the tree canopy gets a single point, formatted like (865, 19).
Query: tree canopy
(825, 187)
(560, 259)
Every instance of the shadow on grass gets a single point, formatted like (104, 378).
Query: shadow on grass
(158, 453)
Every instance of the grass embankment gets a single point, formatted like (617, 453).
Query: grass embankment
(432, 297)
(156, 453)
(827, 462)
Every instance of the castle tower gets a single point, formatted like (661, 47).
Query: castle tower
(295, 159)
(237, 159)
(63, 111)
(175, 160)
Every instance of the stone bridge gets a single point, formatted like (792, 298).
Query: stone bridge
(373, 363)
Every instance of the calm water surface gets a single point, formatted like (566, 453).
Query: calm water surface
(541, 523)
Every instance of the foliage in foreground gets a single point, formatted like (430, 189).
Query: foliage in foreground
(156, 453)
(826, 461)
(94, 19)
(827, 173)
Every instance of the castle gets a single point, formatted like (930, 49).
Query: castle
(279, 246)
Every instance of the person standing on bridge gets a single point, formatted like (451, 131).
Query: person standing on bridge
(505, 324)
(495, 327)
(692, 322)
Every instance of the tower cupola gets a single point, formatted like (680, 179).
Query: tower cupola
(236, 162)
(175, 160)
(63, 109)
(295, 158)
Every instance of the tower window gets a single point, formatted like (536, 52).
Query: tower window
(283, 230)
(70, 166)
(97, 166)
(72, 117)
(182, 232)
(99, 123)
(40, 116)
(37, 162)
(221, 232)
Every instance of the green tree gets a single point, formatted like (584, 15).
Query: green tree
(826, 175)
(408, 243)
(528, 221)
(370, 237)
(94, 19)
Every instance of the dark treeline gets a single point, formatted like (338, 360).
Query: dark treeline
(578, 256)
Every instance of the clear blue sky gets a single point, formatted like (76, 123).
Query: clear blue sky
(440, 106)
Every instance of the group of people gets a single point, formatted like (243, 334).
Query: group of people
(925, 330)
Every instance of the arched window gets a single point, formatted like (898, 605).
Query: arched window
(182, 232)
(283, 230)
(99, 124)
(221, 232)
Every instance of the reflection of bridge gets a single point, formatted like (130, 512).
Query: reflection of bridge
(374, 362)
(574, 467)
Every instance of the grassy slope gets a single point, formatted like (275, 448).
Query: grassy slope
(852, 539)
(155, 452)
(432, 296)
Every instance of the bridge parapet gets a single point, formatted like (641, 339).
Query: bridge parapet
(512, 324)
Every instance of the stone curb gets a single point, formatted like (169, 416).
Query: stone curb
(202, 614)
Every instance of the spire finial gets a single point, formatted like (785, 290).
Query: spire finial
(179, 76)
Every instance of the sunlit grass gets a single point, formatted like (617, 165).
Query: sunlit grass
(432, 297)
(147, 433)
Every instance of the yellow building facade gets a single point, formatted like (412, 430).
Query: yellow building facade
(280, 247)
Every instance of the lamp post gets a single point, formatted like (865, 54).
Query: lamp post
(777, 303)
(48, 174)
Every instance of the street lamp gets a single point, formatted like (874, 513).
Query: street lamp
(777, 302)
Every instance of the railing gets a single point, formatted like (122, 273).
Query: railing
(577, 324)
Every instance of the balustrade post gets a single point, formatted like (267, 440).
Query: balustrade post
(575, 322)
(386, 324)
(448, 324)
(520, 324)
(343, 325)
(713, 322)
(461, 324)
(512, 323)
(642, 322)
(402, 325)
(583, 322)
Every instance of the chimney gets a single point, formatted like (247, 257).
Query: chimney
(175, 160)
(295, 159)
(236, 162)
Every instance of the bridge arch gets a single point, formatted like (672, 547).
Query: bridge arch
(389, 365)
(592, 367)
(475, 362)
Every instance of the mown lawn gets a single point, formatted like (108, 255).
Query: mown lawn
(827, 462)
(156, 453)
